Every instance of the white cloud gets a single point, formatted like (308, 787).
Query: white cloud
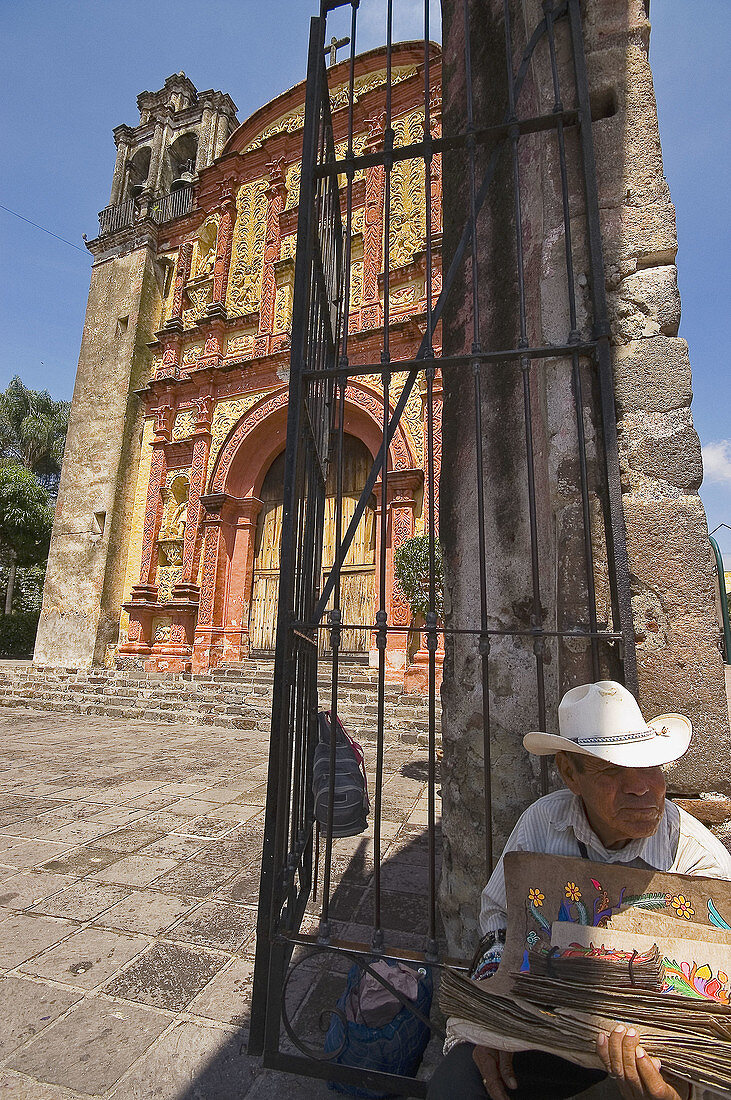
(717, 461)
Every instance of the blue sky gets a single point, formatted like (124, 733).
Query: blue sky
(71, 72)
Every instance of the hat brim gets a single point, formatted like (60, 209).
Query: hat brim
(672, 737)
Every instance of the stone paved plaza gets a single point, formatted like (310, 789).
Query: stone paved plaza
(129, 865)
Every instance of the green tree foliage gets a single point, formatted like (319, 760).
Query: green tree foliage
(411, 569)
(32, 428)
(26, 517)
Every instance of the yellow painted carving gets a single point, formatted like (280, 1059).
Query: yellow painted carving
(225, 416)
(184, 424)
(295, 120)
(293, 185)
(240, 345)
(204, 248)
(408, 220)
(191, 354)
(244, 284)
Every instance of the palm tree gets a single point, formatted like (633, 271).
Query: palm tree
(32, 429)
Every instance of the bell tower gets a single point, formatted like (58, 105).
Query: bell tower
(181, 132)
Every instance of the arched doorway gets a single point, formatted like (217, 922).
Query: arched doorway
(358, 575)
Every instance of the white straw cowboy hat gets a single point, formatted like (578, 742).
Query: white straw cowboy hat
(603, 720)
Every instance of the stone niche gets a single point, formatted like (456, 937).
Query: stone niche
(679, 663)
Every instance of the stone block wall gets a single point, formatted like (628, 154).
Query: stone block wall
(86, 567)
(679, 663)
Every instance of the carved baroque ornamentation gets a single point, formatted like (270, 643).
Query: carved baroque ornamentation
(244, 284)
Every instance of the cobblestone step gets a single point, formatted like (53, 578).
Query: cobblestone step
(235, 696)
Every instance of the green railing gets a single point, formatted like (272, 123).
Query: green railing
(724, 601)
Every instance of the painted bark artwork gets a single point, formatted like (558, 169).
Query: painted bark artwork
(589, 944)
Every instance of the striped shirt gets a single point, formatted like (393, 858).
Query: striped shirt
(556, 823)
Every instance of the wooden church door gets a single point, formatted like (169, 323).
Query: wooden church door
(358, 575)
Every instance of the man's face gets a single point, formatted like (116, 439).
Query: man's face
(621, 804)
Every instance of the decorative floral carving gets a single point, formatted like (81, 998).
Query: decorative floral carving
(191, 354)
(224, 417)
(244, 285)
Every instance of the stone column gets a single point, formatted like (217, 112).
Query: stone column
(153, 175)
(276, 200)
(223, 258)
(188, 587)
(403, 486)
(371, 313)
(204, 155)
(182, 274)
(208, 638)
(123, 137)
(679, 666)
(240, 581)
(144, 594)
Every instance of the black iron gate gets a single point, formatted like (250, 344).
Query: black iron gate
(321, 369)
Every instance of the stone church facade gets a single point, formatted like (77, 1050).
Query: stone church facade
(165, 545)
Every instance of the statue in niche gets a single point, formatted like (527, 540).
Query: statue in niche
(207, 245)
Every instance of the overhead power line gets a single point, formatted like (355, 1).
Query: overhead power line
(43, 229)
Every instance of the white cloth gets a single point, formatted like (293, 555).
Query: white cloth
(556, 823)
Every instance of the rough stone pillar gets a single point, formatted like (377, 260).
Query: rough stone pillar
(204, 153)
(85, 575)
(198, 471)
(671, 573)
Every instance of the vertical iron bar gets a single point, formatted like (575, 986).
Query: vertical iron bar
(619, 573)
(265, 1010)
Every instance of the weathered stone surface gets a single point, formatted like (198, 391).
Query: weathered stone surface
(652, 375)
(645, 304)
(100, 463)
(671, 572)
(665, 447)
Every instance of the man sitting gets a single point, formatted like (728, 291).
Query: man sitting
(613, 810)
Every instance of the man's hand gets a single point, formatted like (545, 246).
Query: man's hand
(496, 1067)
(637, 1073)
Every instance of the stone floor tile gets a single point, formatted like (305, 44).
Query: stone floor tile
(79, 832)
(271, 1085)
(23, 935)
(167, 821)
(193, 1059)
(135, 870)
(228, 996)
(81, 861)
(212, 825)
(91, 1048)
(87, 958)
(30, 887)
(193, 807)
(28, 1007)
(243, 888)
(155, 801)
(130, 839)
(167, 976)
(83, 901)
(173, 846)
(146, 911)
(25, 854)
(192, 877)
(217, 924)
(16, 1086)
(119, 815)
(181, 789)
(222, 794)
